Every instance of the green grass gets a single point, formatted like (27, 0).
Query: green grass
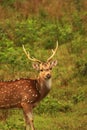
(75, 120)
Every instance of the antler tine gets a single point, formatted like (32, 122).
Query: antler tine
(53, 51)
(28, 55)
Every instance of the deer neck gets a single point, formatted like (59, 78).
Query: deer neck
(44, 85)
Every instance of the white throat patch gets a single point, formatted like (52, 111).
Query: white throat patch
(48, 83)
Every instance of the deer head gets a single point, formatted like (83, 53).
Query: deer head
(43, 68)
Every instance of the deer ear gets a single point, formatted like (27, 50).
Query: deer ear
(35, 66)
(53, 63)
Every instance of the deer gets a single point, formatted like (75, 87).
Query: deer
(27, 93)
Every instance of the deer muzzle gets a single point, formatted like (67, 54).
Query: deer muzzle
(48, 76)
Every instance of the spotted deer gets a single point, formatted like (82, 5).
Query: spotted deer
(26, 93)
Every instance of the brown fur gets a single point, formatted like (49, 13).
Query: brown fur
(13, 93)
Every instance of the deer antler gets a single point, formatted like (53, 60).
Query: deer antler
(53, 51)
(28, 56)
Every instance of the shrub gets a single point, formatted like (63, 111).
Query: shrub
(51, 106)
(78, 97)
(48, 105)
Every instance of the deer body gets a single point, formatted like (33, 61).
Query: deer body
(26, 93)
(13, 93)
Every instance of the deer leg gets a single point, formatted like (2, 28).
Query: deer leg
(30, 117)
(27, 108)
(27, 122)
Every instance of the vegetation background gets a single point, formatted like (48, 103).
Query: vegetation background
(38, 24)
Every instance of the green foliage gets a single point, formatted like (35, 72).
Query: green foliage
(7, 3)
(51, 106)
(9, 123)
(81, 65)
(79, 97)
(65, 31)
(79, 48)
(48, 105)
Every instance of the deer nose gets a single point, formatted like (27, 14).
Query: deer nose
(48, 76)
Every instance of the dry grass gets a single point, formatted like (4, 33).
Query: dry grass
(55, 9)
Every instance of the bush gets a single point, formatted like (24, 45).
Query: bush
(48, 105)
(51, 106)
(78, 97)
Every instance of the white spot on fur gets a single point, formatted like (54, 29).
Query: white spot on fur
(36, 95)
(30, 90)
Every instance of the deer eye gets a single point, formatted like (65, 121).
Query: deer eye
(51, 68)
